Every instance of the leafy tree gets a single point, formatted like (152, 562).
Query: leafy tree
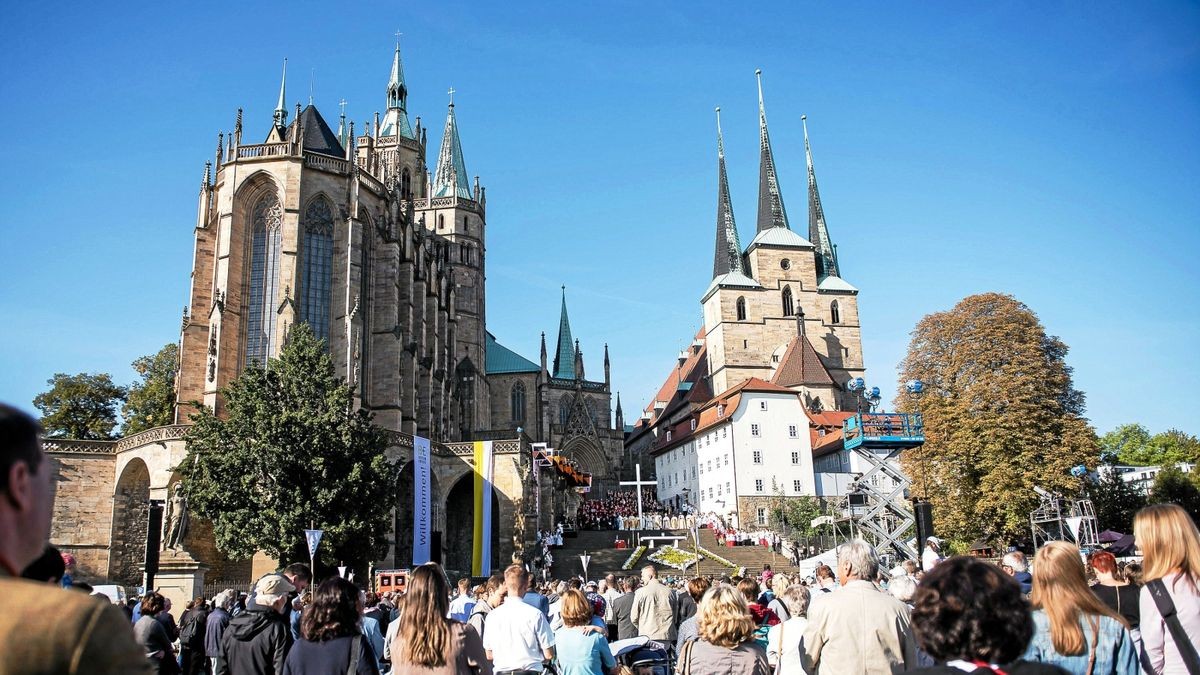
(793, 516)
(151, 402)
(1173, 486)
(290, 450)
(1133, 445)
(1126, 442)
(1177, 446)
(82, 406)
(1001, 416)
(1115, 500)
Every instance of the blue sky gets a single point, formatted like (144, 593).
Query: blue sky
(1048, 150)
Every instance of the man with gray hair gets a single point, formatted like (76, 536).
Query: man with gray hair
(214, 626)
(858, 630)
(1013, 563)
(783, 640)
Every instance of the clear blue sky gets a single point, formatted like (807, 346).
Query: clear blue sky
(1048, 150)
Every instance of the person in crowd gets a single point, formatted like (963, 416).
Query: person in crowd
(167, 620)
(153, 637)
(535, 599)
(725, 642)
(375, 609)
(1013, 563)
(654, 607)
(932, 555)
(43, 629)
(330, 641)
(48, 568)
(192, 625)
(1073, 629)
(972, 618)
(1170, 547)
(858, 629)
(214, 628)
(257, 641)
(779, 584)
(784, 639)
(371, 630)
(460, 607)
(581, 649)
(591, 591)
(1133, 572)
(623, 608)
(611, 593)
(688, 629)
(430, 643)
(1114, 591)
(763, 617)
(493, 594)
(902, 588)
(518, 636)
(685, 605)
(825, 583)
(765, 579)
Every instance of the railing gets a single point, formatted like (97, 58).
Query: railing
(169, 432)
(504, 446)
(73, 446)
(325, 163)
(895, 429)
(263, 150)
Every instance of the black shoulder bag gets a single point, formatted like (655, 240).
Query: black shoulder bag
(1166, 607)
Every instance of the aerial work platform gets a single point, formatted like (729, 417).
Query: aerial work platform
(897, 431)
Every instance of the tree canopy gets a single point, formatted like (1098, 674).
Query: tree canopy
(1001, 417)
(1115, 500)
(291, 451)
(1133, 444)
(151, 402)
(82, 406)
(1173, 486)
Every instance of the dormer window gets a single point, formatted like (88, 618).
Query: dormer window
(721, 410)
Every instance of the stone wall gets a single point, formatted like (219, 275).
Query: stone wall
(83, 509)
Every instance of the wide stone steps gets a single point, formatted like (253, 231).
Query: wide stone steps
(605, 559)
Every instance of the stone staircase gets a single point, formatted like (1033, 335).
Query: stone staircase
(605, 559)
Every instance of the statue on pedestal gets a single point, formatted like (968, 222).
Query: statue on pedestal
(175, 522)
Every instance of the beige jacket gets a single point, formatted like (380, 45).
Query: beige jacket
(859, 630)
(654, 611)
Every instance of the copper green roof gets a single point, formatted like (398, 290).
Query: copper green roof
(501, 360)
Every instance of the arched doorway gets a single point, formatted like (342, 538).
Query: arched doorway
(460, 526)
(131, 515)
(403, 530)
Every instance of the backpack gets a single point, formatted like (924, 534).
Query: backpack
(189, 635)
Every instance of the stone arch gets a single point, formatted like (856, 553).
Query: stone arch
(459, 536)
(131, 517)
(587, 455)
(402, 528)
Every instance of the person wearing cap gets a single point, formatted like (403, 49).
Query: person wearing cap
(257, 641)
(932, 555)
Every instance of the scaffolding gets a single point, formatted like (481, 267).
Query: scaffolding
(878, 504)
(1059, 518)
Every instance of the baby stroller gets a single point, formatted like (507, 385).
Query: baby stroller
(644, 656)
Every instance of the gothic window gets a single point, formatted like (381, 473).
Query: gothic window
(465, 374)
(316, 276)
(835, 316)
(741, 309)
(441, 222)
(265, 242)
(406, 184)
(564, 410)
(789, 305)
(518, 402)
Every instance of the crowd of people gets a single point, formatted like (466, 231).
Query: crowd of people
(1058, 613)
(618, 510)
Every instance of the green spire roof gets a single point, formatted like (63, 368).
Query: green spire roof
(450, 179)
(395, 121)
(501, 360)
(728, 255)
(818, 232)
(770, 199)
(564, 357)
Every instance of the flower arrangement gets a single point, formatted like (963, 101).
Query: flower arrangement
(674, 557)
(716, 558)
(633, 557)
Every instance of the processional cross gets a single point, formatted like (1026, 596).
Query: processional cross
(638, 483)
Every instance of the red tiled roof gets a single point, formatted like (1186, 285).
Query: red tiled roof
(828, 442)
(801, 365)
(836, 418)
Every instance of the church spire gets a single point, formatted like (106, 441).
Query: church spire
(818, 233)
(395, 121)
(564, 357)
(281, 107)
(450, 179)
(770, 199)
(728, 255)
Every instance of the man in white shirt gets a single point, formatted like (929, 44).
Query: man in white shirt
(931, 556)
(518, 637)
(460, 607)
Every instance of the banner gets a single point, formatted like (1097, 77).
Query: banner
(1073, 525)
(422, 500)
(313, 539)
(481, 550)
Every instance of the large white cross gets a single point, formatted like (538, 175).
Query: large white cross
(638, 483)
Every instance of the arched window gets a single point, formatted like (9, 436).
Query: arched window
(265, 242)
(835, 316)
(517, 401)
(564, 410)
(789, 305)
(441, 221)
(741, 309)
(316, 276)
(406, 184)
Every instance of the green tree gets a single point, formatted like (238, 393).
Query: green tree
(82, 406)
(793, 516)
(1126, 442)
(1173, 486)
(1115, 500)
(151, 402)
(1001, 416)
(1133, 445)
(1177, 446)
(289, 451)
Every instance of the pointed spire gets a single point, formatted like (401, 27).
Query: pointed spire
(450, 179)
(770, 200)
(544, 371)
(578, 361)
(818, 232)
(395, 121)
(281, 107)
(728, 255)
(564, 357)
(607, 367)
(342, 124)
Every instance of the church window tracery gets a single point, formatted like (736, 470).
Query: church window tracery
(789, 304)
(265, 243)
(564, 410)
(518, 402)
(406, 184)
(316, 277)
(835, 316)
(741, 309)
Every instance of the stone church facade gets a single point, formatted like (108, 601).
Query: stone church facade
(385, 258)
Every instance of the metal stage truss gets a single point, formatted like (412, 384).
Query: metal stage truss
(1059, 518)
(879, 503)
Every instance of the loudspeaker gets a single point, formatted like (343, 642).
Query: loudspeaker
(924, 514)
(153, 541)
(435, 546)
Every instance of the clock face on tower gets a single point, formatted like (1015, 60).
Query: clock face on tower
(785, 264)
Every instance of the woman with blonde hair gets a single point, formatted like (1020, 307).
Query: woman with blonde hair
(1170, 547)
(1073, 629)
(428, 642)
(726, 644)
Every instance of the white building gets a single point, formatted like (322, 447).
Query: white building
(737, 452)
(1141, 477)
